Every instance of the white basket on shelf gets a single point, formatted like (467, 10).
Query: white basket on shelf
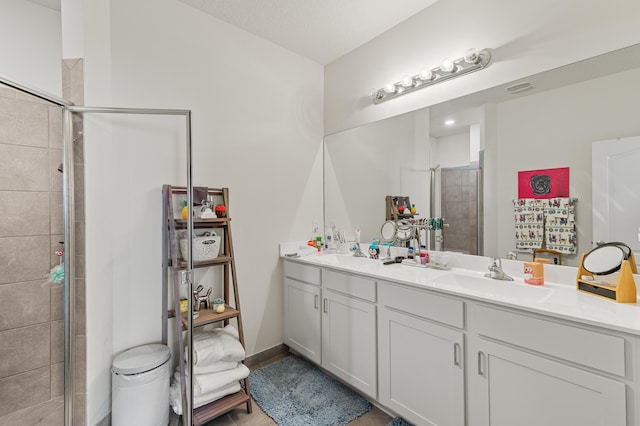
(206, 247)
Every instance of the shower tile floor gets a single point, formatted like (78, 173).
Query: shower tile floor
(239, 416)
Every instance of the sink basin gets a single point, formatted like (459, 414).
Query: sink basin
(497, 289)
(344, 260)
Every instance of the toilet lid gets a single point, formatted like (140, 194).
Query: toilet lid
(141, 359)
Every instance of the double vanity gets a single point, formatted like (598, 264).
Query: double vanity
(452, 347)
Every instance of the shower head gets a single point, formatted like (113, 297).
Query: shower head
(60, 168)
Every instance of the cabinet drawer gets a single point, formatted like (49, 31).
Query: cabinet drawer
(423, 304)
(352, 285)
(589, 348)
(308, 274)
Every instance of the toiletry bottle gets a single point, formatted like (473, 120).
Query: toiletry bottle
(424, 259)
(185, 211)
(410, 253)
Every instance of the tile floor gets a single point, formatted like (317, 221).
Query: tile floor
(239, 416)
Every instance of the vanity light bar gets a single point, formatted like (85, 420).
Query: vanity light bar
(470, 62)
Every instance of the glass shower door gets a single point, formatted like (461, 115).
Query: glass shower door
(115, 183)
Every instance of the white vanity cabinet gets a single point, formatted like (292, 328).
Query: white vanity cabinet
(302, 314)
(421, 358)
(529, 371)
(349, 330)
(435, 357)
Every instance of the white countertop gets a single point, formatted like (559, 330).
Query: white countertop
(558, 297)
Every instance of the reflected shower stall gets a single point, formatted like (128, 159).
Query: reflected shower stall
(457, 197)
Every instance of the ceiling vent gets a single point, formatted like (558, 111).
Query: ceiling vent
(519, 87)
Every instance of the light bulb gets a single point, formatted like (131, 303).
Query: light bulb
(471, 56)
(450, 122)
(426, 74)
(447, 65)
(390, 88)
(374, 94)
(407, 81)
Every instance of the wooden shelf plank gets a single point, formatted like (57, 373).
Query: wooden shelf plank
(204, 223)
(207, 316)
(220, 260)
(202, 415)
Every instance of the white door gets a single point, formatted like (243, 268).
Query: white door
(302, 319)
(511, 387)
(349, 341)
(421, 370)
(616, 199)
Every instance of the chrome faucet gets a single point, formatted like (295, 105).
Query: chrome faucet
(356, 249)
(496, 272)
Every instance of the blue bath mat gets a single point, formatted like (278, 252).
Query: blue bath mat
(398, 422)
(294, 392)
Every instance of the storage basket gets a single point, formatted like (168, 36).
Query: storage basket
(204, 247)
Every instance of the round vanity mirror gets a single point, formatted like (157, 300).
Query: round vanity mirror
(604, 259)
(625, 248)
(388, 231)
(404, 232)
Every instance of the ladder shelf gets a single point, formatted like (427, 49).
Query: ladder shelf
(173, 265)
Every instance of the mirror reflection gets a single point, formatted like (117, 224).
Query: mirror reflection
(477, 145)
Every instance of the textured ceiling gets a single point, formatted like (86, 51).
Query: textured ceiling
(321, 30)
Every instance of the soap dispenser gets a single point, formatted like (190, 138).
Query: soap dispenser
(374, 249)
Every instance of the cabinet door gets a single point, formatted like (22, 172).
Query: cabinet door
(349, 341)
(302, 319)
(421, 370)
(511, 387)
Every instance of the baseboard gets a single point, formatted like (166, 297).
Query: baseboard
(255, 359)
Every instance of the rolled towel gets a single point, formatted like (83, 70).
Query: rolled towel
(219, 344)
(210, 382)
(199, 400)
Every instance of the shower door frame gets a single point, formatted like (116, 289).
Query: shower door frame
(68, 189)
(69, 234)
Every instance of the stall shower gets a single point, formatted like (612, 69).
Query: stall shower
(32, 370)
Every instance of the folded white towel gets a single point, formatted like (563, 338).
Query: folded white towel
(206, 383)
(199, 400)
(219, 344)
(214, 367)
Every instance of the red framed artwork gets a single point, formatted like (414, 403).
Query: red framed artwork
(544, 183)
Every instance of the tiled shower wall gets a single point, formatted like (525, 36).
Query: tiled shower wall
(459, 208)
(31, 230)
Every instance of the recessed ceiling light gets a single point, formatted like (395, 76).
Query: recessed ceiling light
(450, 122)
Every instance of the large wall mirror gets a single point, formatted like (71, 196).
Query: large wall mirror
(552, 124)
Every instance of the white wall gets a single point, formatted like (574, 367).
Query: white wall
(362, 166)
(526, 36)
(556, 129)
(257, 129)
(31, 45)
(453, 150)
